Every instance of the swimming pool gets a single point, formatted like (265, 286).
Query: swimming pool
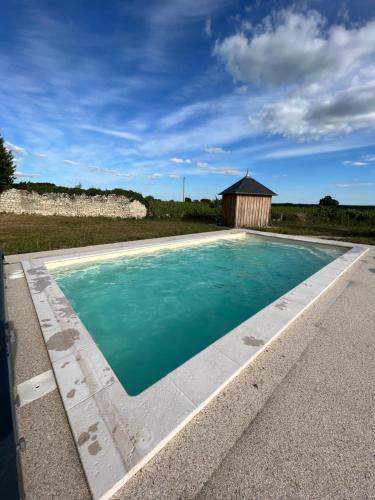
(149, 314)
(143, 335)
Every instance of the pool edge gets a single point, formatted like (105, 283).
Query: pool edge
(114, 389)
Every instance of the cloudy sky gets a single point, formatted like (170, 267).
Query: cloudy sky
(137, 94)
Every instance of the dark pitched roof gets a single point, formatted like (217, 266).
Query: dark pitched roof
(247, 185)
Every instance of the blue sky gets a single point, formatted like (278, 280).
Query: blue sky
(137, 94)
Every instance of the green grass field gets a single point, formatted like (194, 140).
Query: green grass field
(354, 234)
(34, 233)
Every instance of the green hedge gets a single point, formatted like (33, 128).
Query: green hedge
(314, 214)
(202, 210)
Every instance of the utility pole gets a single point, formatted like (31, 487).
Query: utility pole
(183, 188)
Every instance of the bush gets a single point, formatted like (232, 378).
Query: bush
(318, 214)
(184, 210)
(209, 219)
(328, 201)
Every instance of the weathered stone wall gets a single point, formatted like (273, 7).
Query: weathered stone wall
(17, 201)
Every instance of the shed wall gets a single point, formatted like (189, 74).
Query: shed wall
(252, 210)
(229, 210)
(246, 210)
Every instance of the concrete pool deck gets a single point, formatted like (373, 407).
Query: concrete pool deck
(50, 461)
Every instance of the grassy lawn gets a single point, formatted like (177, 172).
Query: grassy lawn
(353, 233)
(34, 233)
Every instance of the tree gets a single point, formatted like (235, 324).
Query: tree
(328, 208)
(187, 199)
(328, 201)
(7, 167)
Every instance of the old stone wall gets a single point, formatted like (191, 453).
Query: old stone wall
(17, 201)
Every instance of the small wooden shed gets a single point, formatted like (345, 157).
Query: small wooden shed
(247, 203)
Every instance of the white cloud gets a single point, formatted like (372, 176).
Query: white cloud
(218, 170)
(208, 28)
(71, 162)
(109, 171)
(17, 150)
(156, 175)
(185, 113)
(353, 184)
(174, 176)
(40, 155)
(359, 163)
(25, 174)
(241, 89)
(355, 163)
(180, 160)
(115, 133)
(292, 47)
(214, 150)
(324, 77)
(328, 113)
(225, 121)
(314, 149)
(369, 158)
(172, 12)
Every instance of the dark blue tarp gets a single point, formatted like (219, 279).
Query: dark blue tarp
(8, 455)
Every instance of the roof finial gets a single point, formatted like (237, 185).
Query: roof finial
(247, 173)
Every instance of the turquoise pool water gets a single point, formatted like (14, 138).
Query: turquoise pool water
(151, 313)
